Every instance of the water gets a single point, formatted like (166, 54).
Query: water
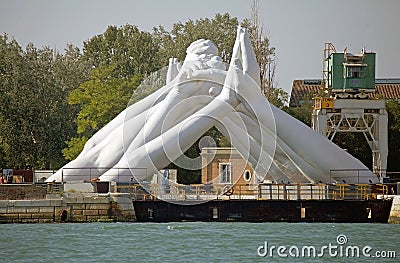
(191, 242)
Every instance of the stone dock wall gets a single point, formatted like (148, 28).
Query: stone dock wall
(69, 207)
(22, 191)
(394, 217)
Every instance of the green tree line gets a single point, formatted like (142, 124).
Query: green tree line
(35, 117)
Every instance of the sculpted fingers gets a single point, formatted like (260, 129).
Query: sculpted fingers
(173, 69)
(210, 74)
(248, 57)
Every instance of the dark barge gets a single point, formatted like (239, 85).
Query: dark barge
(343, 211)
(272, 203)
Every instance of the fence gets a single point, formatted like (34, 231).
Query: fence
(176, 192)
(91, 174)
(347, 175)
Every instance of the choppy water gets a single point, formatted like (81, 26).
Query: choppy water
(192, 242)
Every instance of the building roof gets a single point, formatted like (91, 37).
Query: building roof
(304, 89)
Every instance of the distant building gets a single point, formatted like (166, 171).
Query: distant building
(304, 90)
(225, 166)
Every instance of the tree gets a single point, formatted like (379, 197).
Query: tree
(303, 113)
(35, 119)
(356, 145)
(100, 99)
(393, 109)
(11, 61)
(221, 30)
(129, 50)
(119, 58)
(266, 58)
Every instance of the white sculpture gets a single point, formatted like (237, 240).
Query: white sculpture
(200, 94)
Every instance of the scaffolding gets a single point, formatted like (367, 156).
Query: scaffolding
(368, 117)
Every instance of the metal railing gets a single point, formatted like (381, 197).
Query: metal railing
(264, 191)
(52, 188)
(322, 191)
(343, 175)
(180, 192)
(292, 191)
(91, 174)
(394, 177)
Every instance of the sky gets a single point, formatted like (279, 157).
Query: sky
(297, 29)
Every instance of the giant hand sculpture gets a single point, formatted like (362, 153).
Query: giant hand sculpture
(201, 94)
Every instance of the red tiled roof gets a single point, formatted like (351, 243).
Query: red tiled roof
(301, 91)
(304, 89)
(389, 91)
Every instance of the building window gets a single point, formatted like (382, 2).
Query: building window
(225, 172)
(355, 72)
(247, 176)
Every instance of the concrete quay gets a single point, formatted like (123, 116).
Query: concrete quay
(69, 207)
(394, 216)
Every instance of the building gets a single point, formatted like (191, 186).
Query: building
(225, 166)
(303, 90)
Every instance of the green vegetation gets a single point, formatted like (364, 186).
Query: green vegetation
(393, 109)
(100, 99)
(35, 118)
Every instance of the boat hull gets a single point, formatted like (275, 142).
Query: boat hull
(344, 211)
